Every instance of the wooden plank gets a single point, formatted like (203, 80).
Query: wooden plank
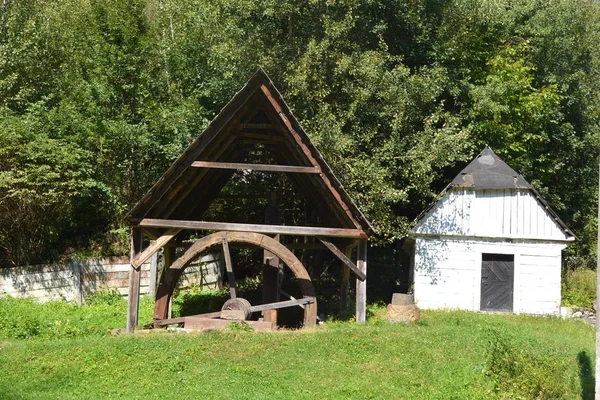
(256, 126)
(265, 229)
(208, 323)
(133, 298)
(154, 247)
(338, 253)
(172, 321)
(229, 268)
(282, 304)
(262, 137)
(256, 167)
(361, 286)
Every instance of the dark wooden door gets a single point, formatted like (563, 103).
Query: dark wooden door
(497, 279)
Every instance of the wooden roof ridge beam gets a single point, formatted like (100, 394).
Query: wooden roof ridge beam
(257, 228)
(339, 254)
(256, 167)
(154, 247)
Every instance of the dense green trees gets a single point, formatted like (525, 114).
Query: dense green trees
(98, 97)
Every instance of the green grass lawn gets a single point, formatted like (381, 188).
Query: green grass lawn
(447, 355)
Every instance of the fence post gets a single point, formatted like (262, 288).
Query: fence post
(77, 281)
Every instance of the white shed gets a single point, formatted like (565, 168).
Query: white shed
(491, 243)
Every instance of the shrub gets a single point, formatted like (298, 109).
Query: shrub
(579, 287)
(24, 318)
(521, 372)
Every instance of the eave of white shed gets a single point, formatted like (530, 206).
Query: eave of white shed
(490, 199)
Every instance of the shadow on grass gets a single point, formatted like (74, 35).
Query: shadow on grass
(586, 376)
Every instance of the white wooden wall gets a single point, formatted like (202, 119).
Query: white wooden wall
(447, 273)
(507, 213)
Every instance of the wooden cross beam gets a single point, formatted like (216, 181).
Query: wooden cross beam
(256, 167)
(257, 228)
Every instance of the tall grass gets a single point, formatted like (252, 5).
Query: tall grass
(579, 287)
(23, 318)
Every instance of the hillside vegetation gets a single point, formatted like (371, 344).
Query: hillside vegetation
(446, 355)
(97, 98)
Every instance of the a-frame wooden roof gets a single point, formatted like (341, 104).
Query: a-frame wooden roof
(256, 114)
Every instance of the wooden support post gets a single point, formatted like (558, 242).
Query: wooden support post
(271, 264)
(229, 268)
(345, 281)
(153, 274)
(169, 258)
(361, 286)
(134, 281)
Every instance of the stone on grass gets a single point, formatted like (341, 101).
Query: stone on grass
(401, 299)
(403, 314)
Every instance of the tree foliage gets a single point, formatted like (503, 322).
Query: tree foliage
(97, 98)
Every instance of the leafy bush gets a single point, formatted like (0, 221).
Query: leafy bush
(196, 301)
(579, 287)
(24, 318)
(518, 370)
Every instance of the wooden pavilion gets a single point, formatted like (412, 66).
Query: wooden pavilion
(254, 133)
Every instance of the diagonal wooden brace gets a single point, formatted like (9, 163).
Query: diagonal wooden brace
(339, 254)
(154, 247)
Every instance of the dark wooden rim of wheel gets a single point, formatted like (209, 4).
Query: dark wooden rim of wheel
(170, 277)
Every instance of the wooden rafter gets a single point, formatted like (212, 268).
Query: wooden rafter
(307, 152)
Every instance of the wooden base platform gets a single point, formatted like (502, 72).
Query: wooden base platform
(202, 323)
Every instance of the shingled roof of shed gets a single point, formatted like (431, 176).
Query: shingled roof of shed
(488, 171)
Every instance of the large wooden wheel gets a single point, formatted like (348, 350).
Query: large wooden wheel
(171, 276)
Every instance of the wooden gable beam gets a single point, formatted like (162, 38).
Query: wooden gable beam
(266, 229)
(256, 167)
(339, 254)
